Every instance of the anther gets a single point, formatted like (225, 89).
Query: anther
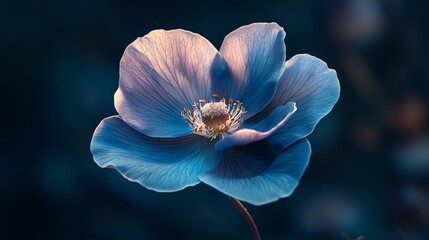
(215, 118)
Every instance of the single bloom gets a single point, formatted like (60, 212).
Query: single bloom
(235, 119)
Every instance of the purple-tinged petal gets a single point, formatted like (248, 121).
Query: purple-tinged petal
(314, 87)
(160, 74)
(252, 174)
(160, 164)
(250, 64)
(258, 131)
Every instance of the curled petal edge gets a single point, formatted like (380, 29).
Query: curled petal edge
(245, 136)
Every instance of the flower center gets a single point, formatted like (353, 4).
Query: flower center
(214, 118)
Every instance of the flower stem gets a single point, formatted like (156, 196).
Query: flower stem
(247, 216)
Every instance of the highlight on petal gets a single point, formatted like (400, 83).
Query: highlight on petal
(251, 174)
(250, 64)
(314, 87)
(160, 74)
(160, 164)
(261, 130)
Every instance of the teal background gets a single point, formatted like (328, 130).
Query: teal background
(368, 174)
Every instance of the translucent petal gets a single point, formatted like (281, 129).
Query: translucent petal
(160, 164)
(160, 74)
(314, 87)
(250, 64)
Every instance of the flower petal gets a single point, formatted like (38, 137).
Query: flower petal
(260, 130)
(160, 164)
(251, 63)
(160, 74)
(250, 173)
(314, 87)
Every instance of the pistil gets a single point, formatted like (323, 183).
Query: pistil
(215, 118)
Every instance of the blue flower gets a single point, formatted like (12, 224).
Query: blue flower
(235, 119)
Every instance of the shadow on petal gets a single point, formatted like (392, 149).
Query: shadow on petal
(252, 174)
(250, 64)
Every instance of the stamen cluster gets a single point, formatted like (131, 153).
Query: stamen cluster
(215, 118)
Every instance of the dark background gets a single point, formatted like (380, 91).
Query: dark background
(369, 171)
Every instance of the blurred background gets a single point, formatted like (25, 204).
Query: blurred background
(368, 174)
